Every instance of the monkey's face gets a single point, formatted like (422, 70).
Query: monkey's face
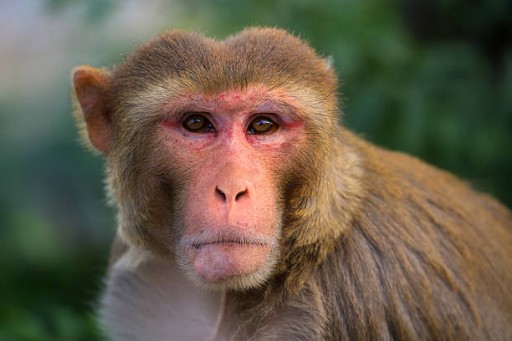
(211, 149)
(232, 148)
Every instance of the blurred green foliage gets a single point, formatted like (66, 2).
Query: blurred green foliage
(431, 78)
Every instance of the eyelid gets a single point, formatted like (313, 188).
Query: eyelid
(186, 114)
(271, 116)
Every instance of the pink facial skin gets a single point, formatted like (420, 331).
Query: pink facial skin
(231, 217)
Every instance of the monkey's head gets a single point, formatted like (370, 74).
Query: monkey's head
(213, 149)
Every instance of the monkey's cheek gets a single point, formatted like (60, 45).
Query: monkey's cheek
(217, 262)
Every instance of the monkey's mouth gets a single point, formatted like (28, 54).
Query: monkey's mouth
(228, 237)
(218, 256)
(198, 246)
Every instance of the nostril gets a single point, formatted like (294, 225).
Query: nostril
(221, 193)
(240, 194)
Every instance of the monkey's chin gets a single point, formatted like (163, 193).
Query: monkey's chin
(230, 266)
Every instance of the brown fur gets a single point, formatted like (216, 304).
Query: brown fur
(375, 244)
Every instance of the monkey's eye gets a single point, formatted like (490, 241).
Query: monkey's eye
(198, 124)
(262, 125)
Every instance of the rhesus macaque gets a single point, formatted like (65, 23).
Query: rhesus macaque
(247, 212)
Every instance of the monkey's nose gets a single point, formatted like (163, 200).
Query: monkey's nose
(234, 193)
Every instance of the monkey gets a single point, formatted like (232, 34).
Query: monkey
(247, 211)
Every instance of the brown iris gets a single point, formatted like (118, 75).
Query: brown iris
(197, 124)
(262, 125)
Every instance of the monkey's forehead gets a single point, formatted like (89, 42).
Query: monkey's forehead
(255, 55)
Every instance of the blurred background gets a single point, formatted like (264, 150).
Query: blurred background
(432, 78)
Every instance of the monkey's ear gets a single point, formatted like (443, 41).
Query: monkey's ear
(92, 112)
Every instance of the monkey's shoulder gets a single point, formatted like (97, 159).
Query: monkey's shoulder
(403, 183)
(419, 251)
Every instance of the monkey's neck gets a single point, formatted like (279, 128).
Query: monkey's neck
(158, 300)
